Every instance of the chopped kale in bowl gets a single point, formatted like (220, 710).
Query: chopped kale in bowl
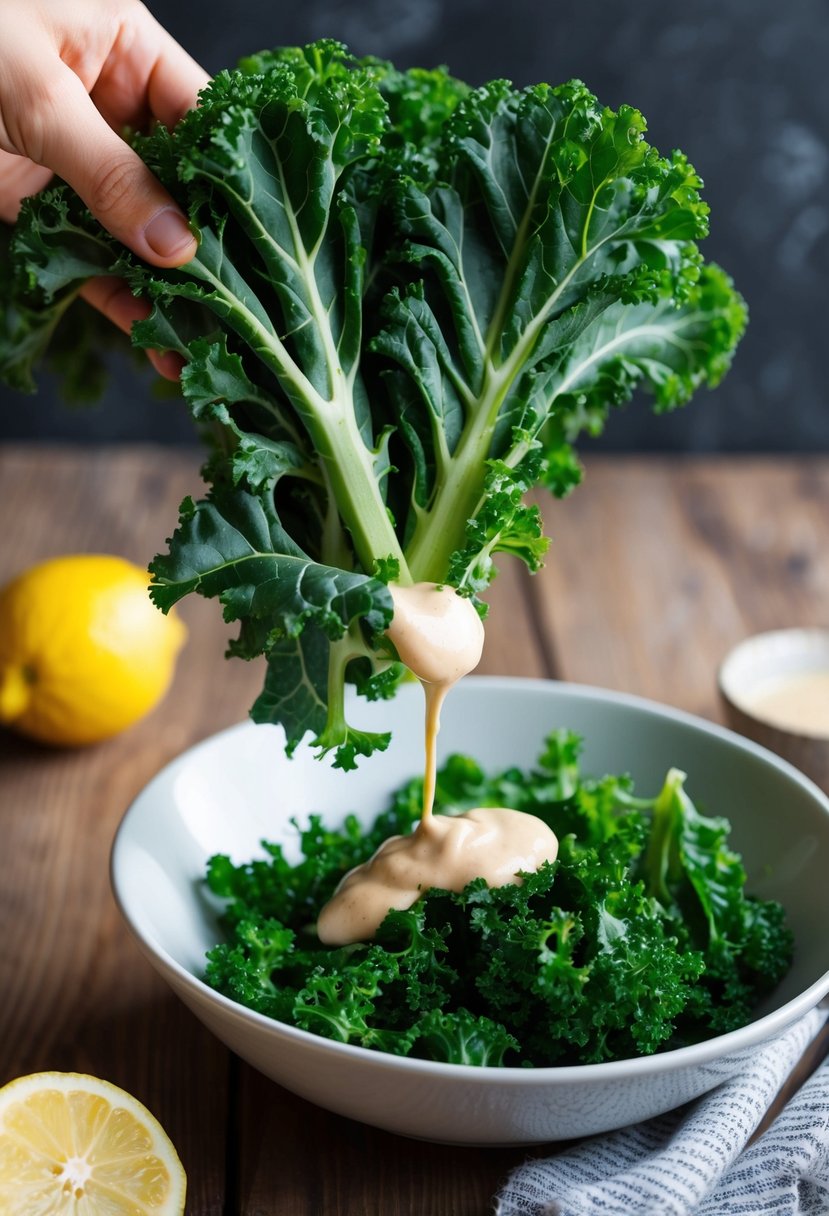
(638, 938)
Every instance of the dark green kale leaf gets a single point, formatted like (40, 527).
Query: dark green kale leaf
(244, 972)
(690, 869)
(460, 1037)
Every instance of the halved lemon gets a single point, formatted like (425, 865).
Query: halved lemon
(77, 1145)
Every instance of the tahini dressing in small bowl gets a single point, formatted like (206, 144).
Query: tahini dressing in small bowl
(775, 688)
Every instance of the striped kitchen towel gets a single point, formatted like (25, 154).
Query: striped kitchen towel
(695, 1160)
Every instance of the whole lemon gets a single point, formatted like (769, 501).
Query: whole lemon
(84, 652)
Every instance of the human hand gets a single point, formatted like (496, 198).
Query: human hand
(72, 76)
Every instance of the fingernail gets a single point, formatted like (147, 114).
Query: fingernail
(168, 233)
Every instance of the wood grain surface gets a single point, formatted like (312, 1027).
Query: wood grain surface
(658, 566)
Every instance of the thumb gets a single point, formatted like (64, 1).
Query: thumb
(66, 133)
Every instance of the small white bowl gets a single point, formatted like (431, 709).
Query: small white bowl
(233, 790)
(766, 661)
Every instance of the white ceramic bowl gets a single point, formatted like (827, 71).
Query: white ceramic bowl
(236, 788)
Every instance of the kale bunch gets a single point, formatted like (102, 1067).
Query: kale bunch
(409, 299)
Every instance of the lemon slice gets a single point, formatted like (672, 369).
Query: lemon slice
(78, 1145)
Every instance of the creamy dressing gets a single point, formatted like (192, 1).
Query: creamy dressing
(798, 702)
(445, 851)
(439, 636)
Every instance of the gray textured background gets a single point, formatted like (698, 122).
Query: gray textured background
(742, 86)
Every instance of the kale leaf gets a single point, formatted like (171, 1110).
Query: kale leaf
(690, 869)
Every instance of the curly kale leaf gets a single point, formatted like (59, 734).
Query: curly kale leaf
(233, 547)
(244, 972)
(462, 1038)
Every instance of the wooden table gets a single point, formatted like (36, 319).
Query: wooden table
(657, 567)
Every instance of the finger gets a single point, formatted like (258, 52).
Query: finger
(113, 298)
(18, 179)
(174, 82)
(168, 363)
(147, 75)
(64, 131)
